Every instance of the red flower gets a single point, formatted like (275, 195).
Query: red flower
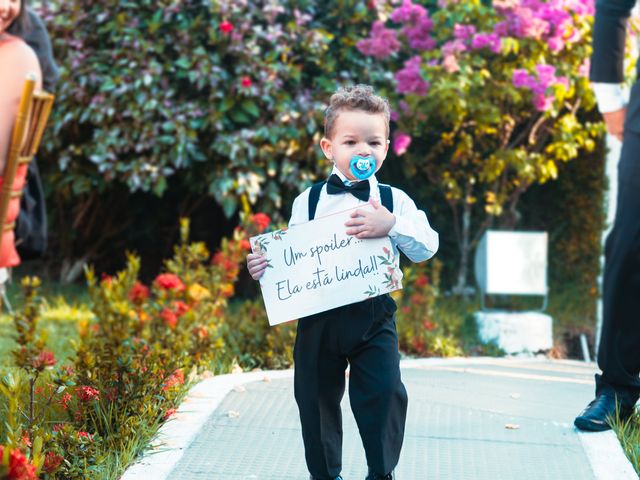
(43, 360)
(422, 280)
(86, 435)
(261, 221)
(169, 317)
(406, 309)
(138, 293)
(244, 244)
(176, 378)
(246, 82)
(106, 279)
(180, 308)
(428, 325)
(86, 394)
(169, 281)
(64, 401)
(226, 27)
(169, 413)
(19, 466)
(52, 461)
(200, 332)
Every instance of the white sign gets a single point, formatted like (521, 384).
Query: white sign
(316, 266)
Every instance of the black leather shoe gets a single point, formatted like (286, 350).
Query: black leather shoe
(599, 414)
(377, 476)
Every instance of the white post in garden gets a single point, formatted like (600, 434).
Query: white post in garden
(514, 264)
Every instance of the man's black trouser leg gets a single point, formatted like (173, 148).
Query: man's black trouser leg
(619, 351)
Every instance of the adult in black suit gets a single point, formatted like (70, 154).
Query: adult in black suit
(618, 387)
(31, 227)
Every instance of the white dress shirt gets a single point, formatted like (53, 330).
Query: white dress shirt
(411, 233)
(610, 96)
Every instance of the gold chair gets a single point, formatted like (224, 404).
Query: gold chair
(33, 113)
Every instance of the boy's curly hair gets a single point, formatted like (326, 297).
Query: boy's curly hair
(355, 97)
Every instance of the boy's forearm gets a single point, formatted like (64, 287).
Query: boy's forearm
(415, 237)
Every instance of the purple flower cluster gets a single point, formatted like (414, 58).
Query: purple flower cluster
(381, 43)
(409, 78)
(539, 84)
(417, 25)
(553, 21)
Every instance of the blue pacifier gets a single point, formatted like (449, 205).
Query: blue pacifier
(362, 167)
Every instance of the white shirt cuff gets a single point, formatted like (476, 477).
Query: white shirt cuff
(610, 96)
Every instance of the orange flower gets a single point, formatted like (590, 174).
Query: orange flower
(176, 378)
(261, 221)
(169, 281)
(227, 290)
(244, 244)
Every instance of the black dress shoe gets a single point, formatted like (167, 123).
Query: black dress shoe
(377, 476)
(600, 413)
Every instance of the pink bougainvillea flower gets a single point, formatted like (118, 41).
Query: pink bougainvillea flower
(541, 102)
(381, 43)
(408, 12)
(409, 79)
(401, 142)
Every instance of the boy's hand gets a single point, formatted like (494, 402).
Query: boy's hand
(374, 224)
(256, 264)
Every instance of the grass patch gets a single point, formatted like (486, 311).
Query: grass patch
(628, 433)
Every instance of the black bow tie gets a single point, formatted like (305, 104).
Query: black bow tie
(359, 190)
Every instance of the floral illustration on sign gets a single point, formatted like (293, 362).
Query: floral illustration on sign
(372, 291)
(278, 234)
(260, 246)
(392, 279)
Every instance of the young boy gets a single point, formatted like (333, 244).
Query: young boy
(362, 335)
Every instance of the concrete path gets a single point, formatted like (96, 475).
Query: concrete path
(476, 419)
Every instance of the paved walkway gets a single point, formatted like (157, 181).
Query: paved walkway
(476, 419)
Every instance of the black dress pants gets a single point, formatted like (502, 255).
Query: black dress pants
(619, 351)
(364, 336)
